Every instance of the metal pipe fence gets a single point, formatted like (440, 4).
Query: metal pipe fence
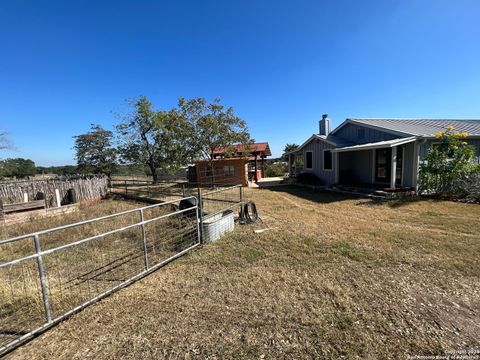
(163, 190)
(44, 279)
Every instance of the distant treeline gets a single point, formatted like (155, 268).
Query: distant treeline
(24, 168)
(64, 170)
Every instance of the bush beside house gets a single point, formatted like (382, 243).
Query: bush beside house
(451, 168)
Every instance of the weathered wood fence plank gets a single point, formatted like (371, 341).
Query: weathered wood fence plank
(84, 188)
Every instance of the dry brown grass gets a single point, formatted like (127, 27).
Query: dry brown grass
(336, 277)
(77, 274)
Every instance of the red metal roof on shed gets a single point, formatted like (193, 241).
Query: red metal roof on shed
(261, 147)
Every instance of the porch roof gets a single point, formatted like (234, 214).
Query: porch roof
(377, 145)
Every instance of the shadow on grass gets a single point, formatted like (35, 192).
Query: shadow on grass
(326, 197)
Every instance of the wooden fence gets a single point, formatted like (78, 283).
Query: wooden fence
(56, 191)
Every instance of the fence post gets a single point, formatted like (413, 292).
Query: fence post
(199, 234)
(57, 197)
(242, 215)
(183, 190)
(200, 211)
(145, 253)
(43, 280)
(126, 188)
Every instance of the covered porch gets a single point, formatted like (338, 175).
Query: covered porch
(385, 165)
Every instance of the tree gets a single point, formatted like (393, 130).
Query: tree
(18, 167)
(153, 138)
(94, 151)
(209, 126)
(448, 165)
(289, 148)
(62, 170)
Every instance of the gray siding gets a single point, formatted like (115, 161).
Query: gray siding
(317, 147)
(350, 133)
(409, 167)
(426, 146)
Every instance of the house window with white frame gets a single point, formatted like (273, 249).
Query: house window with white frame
(308, 160)
(229, 170)
(327, 160)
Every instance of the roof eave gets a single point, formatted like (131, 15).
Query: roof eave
(377, 145)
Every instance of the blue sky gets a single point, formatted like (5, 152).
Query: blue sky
(280, 64)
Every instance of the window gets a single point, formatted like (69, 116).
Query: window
(229, 170)
(299, 161)
(327, 160)
(308, 160)
(208, 171)
(361, 133)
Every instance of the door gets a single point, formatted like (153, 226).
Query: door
(383, 165)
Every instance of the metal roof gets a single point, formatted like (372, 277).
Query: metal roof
(418, 127)
(260, 147)
(377, 145)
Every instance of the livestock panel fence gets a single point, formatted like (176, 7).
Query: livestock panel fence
(164, 190)
(44, 279)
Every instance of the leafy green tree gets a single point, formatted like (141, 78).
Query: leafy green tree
(94, 151)
(448, 164)
(210, 126)
(276, 169)
(18, 167)
(155, 139)
(288, 148)
(62, 170)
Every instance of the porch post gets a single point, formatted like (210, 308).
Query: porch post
(337, 167)
(289, 165)
(393, 173)
(263, 166)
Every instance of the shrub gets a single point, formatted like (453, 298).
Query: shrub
(471, 186)
(449, 168)
(276, 170)
(309, 179)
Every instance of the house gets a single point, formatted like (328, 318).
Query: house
(382, 153)
(234, 165)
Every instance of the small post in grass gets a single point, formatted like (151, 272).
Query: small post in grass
(42, 278)
(200, 212)
(145, 252)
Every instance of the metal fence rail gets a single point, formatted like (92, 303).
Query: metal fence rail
(44, 280)
(161, 189)
(217, 201)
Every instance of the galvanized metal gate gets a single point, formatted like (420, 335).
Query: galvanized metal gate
(44, 279)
